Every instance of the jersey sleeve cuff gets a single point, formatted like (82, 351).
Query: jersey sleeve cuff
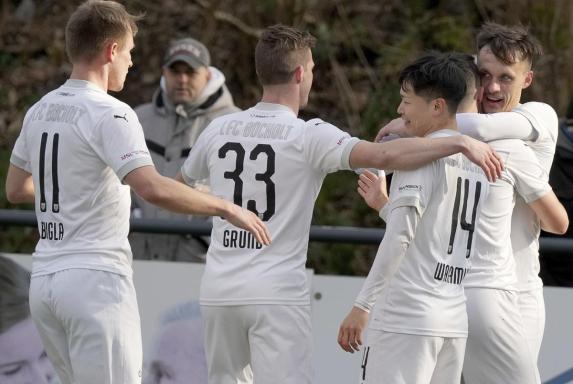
(365, 307)
(405, 201)
(345, 164)
(20, 163)
(530, 197)
(134, 164)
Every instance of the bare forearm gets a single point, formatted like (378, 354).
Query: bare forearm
(19, 186)
(177, 197)
(404, 154)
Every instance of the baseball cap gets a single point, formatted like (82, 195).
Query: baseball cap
(189, 51)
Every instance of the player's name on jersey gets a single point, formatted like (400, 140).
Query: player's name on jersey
(239, 239)
(51, 230)
(449, 274)
(60, 113)
(465, 164)
(256, 129)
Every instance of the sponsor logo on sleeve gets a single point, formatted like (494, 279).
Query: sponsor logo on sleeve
(132, 154)
(410, 187)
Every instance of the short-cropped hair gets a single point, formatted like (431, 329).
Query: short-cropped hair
(95, 23)
(280, 50)
(439, 75)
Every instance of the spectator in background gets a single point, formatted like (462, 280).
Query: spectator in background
(22, 356)
(178, 355)
(190, 95)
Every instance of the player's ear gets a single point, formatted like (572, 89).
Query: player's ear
(528, 79)
(439, 105)
(110, 50)
(298, 74)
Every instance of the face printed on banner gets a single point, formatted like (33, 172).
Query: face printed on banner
(22, 356)
(179, 356)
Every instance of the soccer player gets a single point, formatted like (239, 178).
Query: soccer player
(77, 147)
(497, 348)
(505, 58)
(418, 329)
(254, 299)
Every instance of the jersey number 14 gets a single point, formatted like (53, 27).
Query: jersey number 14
(470, 227)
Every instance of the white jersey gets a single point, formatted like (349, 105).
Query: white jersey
(493, 265)
(271, 162)
(78, 143)
(425, 295)
(525, 227)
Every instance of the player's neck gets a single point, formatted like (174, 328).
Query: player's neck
(95, 75)
(443, 123)
(281, 94)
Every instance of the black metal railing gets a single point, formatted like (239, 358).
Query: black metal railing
(339, 234)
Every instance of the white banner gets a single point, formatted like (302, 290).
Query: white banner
(168, 291)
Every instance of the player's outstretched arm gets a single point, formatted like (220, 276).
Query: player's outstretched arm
(412, 153)
(352, 328)
(372, 188)
(19, 186)
(496, 126)
(177, 197)
(551, 213)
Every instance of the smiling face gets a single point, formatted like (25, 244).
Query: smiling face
(416, 111)
(22, 356)
(502, 83)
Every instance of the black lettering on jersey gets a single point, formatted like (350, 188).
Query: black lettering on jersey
(240, 239)
(67, 94)
(121, 117)
(50, 230)
(449, 274)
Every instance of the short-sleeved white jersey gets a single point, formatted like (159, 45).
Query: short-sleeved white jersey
(269, 161)
(425, 295)
(525, 227)
(78, 143)
(493, 265)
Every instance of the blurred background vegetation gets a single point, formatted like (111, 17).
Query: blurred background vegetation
(362, 44)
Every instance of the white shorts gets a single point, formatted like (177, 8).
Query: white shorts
(89, 323)
(497, 350)
(532, 309)
(267, 344)
(399, 358)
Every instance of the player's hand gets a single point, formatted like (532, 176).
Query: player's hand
(484, 156)
(351, 329)
(247, 220)
(396, 127)
(372, 188)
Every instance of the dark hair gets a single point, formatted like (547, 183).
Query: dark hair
(93, 24)
(279, 51)
(509, 44)
(14, 287)
(440, 75)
